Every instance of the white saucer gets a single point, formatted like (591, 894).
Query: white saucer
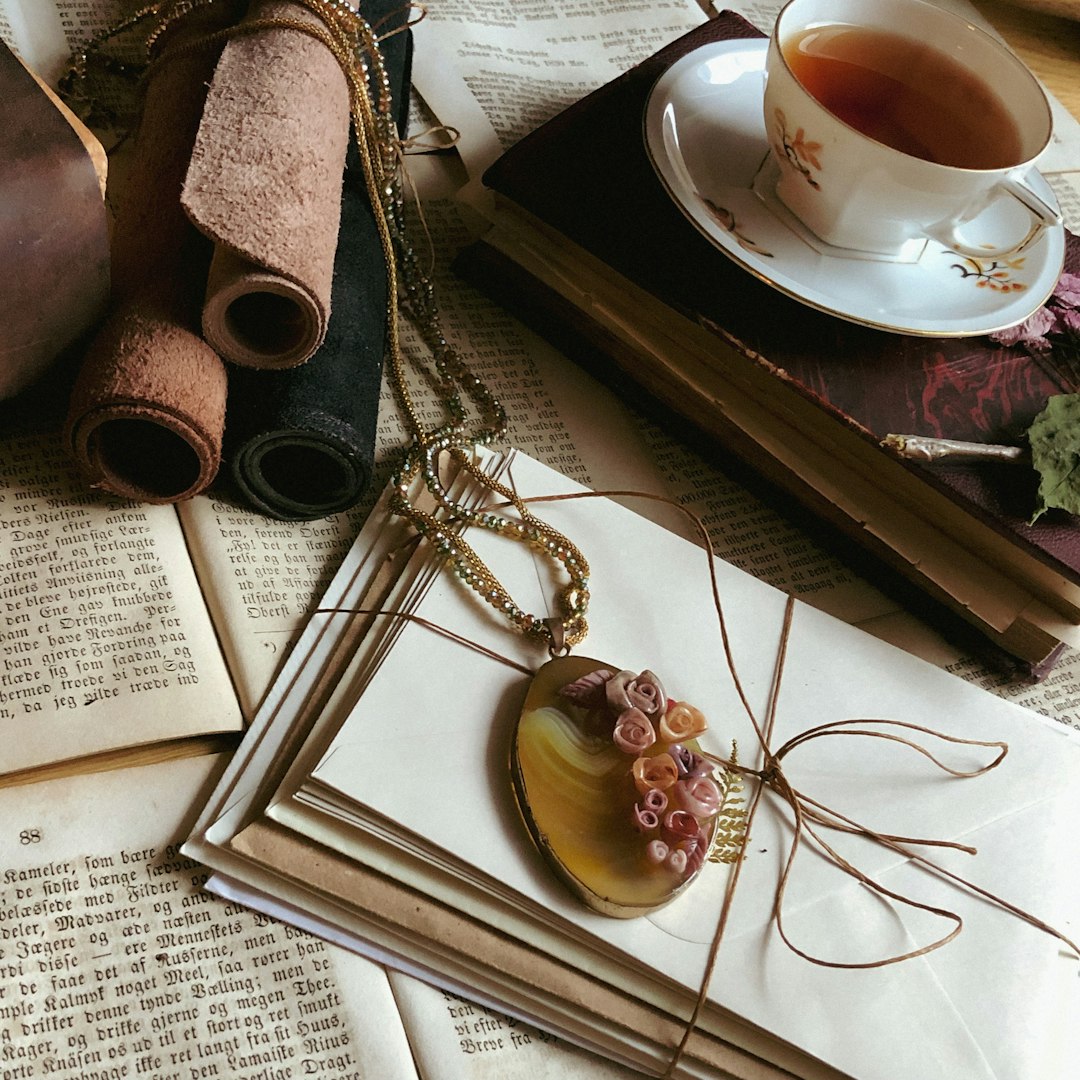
(705, 134)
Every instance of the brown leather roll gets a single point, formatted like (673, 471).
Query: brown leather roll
(264, 184)
(147, 412)
(54, 239)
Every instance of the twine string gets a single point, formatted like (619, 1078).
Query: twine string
(809, 814)
(810, 817)
(435, 628)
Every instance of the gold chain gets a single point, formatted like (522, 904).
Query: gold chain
(355, 46)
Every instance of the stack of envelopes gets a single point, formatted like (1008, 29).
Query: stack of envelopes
(372, 802)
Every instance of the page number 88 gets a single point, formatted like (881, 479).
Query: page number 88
(30, 836)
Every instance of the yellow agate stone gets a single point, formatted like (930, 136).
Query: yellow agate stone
(577, 789)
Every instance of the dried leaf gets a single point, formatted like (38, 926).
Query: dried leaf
(1055, 454)
(731, 819)
(589, 689)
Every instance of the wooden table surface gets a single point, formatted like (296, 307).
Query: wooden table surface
(1049, 44)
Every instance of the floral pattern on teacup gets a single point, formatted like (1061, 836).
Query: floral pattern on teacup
(994, 274)
(726, 220)
(797, 151)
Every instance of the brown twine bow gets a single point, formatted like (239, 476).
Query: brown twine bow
(807, 812)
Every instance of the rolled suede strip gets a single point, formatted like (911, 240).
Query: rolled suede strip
(300, 443)
(264, 183)
(147, 411)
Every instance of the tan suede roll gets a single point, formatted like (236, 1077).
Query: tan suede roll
(264, 184)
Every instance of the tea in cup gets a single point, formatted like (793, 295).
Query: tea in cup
(893, 120)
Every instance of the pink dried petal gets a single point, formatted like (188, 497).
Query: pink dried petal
(1070, 321)
(1031, 331)
(1067, 290)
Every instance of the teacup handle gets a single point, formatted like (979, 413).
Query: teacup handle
(1043, 216)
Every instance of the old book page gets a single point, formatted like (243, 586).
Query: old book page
(114, 961)
(35, 33)
(261, 578)
(46, 34)
(106, 641)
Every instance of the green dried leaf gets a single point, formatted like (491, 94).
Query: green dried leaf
(1055, 454)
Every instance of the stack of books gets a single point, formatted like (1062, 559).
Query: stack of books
(592, 249)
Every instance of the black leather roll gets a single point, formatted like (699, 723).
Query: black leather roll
(300, 441)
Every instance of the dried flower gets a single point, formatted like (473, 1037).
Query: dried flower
(1067, 291)
(656, 851)
(680, 828)
(689, 763)
(655, 800)
(1032, 331)
(644, 820)
(698, 795)
(1052, 333)
(629, 690)
(676, 861)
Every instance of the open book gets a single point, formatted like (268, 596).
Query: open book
(129, 625)
(309, 824)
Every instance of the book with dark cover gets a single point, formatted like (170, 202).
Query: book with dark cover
(585, 178)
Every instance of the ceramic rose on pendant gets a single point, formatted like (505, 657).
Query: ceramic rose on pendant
(613, 788)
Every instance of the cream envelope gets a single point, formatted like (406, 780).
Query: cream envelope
(995, 1003)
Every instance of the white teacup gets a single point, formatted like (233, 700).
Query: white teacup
(941, 122)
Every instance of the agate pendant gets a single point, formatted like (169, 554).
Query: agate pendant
(612, 787)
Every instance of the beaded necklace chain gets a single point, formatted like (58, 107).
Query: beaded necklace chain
(355, 45)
